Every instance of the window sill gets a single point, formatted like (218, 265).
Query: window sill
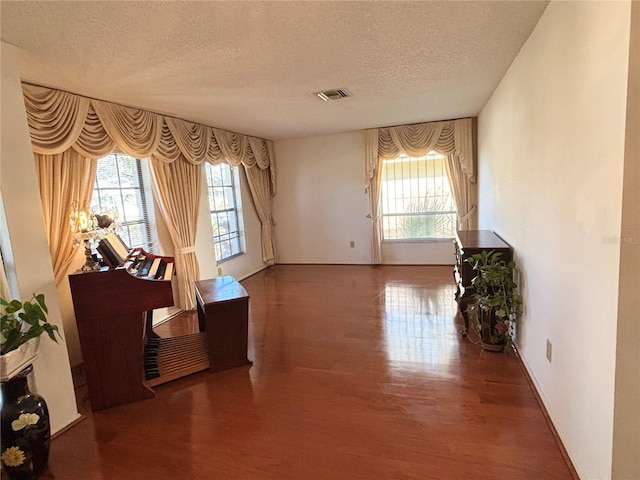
(219, 262)
(419, 240)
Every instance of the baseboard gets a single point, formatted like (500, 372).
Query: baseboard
(251, 274)
(367, 264)
(321, 264)
(72, 423)
(547, 417)
(170, 317)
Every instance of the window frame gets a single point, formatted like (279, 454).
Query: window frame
(235, 237)
(407, 158)
(144, 201)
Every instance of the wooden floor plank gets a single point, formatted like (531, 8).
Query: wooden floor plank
(358, 373)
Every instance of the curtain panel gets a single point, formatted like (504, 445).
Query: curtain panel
(4, 283)
(65, 179)
(178, 185)
(65, 125)
(453, 138)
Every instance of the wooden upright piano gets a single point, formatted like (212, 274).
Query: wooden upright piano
(113, 309)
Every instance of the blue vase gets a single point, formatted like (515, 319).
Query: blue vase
(26, 433)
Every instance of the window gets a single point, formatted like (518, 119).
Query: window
(416, 200)
(122, 184)
(223, 204)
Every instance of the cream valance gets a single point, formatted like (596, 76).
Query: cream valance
(69, 132)
(60, 120)
(453, 137)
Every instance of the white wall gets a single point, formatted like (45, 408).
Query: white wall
(418, 253)
(551, 152)
(29, 250)
(322, 206)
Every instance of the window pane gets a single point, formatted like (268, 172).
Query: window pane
(216, 175)
(235, 245)
(223, 222)
(107, 172)
(228, 196)
(136, 235)
(128, 171)
(225, 248)
(232, 222)
(416, 199)
(119, 188)
(132, 205)
(219, 200)
(227, 176)
(107, 200)
(222, 205)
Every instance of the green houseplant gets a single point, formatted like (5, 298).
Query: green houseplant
(21, 324)
(496, 303)
(22, 321)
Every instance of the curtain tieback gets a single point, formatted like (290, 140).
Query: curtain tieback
(471, 211)
(185, 250)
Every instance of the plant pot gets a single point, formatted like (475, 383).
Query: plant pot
(14, 361)
(491, 347)
(492, 341)
(26, 433)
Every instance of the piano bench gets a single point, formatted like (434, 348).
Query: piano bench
(223, 314)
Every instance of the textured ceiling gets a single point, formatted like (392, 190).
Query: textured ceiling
(251, 67)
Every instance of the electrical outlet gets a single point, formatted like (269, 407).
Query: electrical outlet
(549, 350)
(352, 244)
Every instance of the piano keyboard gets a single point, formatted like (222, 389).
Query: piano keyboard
(154, 268)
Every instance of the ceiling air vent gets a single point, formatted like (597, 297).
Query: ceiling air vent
(336, 94)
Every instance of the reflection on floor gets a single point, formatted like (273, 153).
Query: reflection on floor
(418, 326)
(358, 373)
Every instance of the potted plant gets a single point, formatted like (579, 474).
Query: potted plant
(24, 416)
(496, 302)
(21, 324)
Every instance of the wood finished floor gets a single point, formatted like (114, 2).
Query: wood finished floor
(359, 373)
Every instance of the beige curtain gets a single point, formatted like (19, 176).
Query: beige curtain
(66, 179)
(4, 284)
(64, 123)
(452, 138)
(178, 185)
(260, 188)
(464, 193)
(262, 183)
(374, 185)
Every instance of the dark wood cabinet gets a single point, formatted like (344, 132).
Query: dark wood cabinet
(468, 243)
